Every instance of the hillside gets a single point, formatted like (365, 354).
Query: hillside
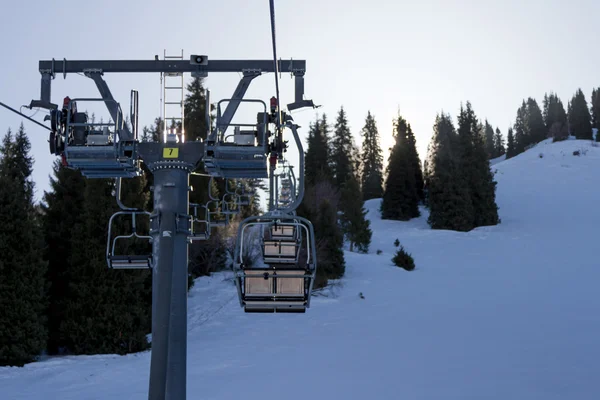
(503, 312)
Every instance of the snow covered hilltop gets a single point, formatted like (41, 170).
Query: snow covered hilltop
(501, 312)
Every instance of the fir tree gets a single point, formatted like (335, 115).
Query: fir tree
(475, 165)
(371, 161)
(580, 120)
(400, 198)
(511, 150)
(353, 219)
(499, 149)
(522, 138)
(329, 239)
(554, 112)
(316, 159)
(204, 256)
(342, 151)
(326, 136)
(448, 193)
(596, 112)
(22, 269)
(107, 311)
(404, 259)
(354, 225)
(320, 205)
(535, 122)
(62, 210)
(146, 135)
(415, 162)
(490, 144)
(195, 110)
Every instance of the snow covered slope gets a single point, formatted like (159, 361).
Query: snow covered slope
(504, 312)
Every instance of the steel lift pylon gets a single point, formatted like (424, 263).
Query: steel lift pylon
(113, 150)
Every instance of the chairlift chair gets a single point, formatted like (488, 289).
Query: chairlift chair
(284, 283)
(126, 261)
(202, 233)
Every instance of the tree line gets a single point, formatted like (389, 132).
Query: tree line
(59, 297)
(534, 124)
(58, 294)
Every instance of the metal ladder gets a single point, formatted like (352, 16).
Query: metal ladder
(173, 103)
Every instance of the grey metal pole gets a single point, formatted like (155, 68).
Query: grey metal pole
(168, 367)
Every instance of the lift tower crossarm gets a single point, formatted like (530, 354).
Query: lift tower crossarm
(141, 66)
(49, 69)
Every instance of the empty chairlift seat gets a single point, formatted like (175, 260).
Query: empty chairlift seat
(282, 286)
(280, 252)
(282, 247)
(284, 282)
(283, 232)
(274, 290)
(130, 262)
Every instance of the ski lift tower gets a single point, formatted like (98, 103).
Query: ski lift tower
(114, 151)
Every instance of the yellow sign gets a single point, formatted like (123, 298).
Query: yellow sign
(170, 152)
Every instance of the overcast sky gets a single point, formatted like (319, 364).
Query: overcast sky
(380, 55)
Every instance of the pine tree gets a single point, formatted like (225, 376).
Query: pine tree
(448, 194)
(580, 120)
(195, 110)
(22, 268)
(62, 210)
(353, 220)
(320, 205)
(342, 151)
(476, 167)
(596, 112)
(499, 149)
(400, 198)
(204, 256)
(354, 225)
(106, 311)
(522, 137)
(371, 161)
(326, 136)
(316, 159)
(490, 144)
(535, 122)
(554, 112)
(415, 161)
(329, 239)
(511, 151)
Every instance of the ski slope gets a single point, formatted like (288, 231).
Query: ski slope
(504, 312)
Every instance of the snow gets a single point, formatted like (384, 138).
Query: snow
(496, 160)
(503, 312)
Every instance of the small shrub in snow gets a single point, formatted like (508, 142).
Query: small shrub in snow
(404, 260)
(541, 155)
(379, 251)
(396, 243)
(576, 153)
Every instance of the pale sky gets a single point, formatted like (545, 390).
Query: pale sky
(381, 55)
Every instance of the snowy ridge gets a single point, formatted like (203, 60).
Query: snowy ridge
(503, 312)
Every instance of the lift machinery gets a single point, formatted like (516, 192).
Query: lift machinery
(283, 281)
